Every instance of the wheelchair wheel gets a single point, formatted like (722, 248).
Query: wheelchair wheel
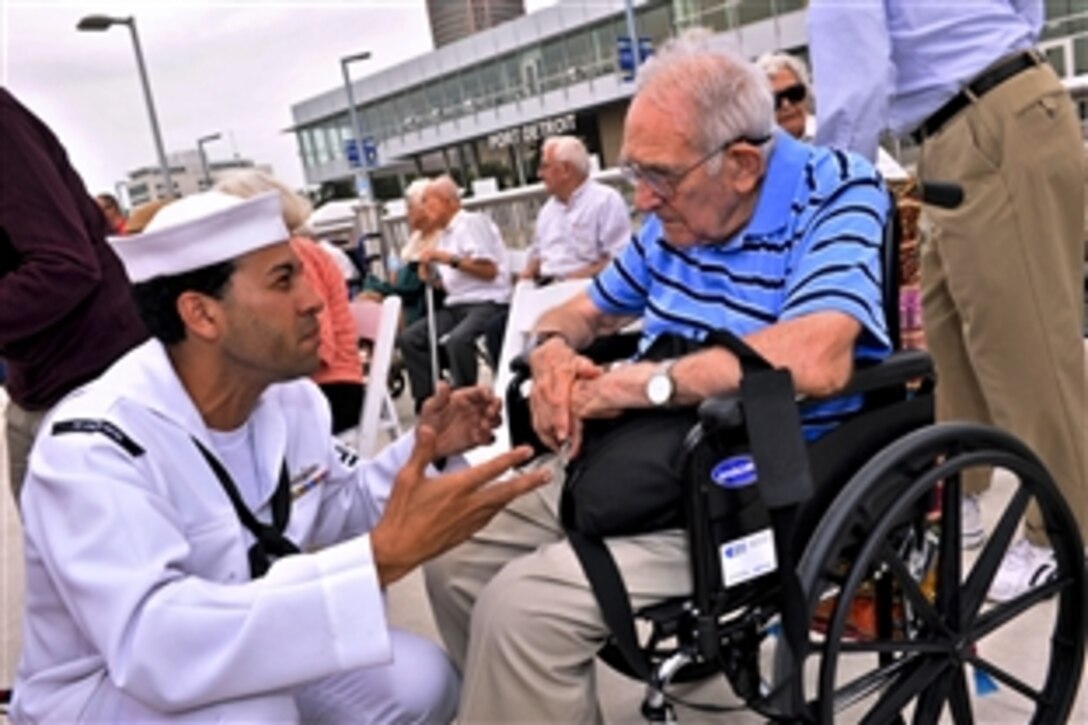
(397, 379)
(900, 626)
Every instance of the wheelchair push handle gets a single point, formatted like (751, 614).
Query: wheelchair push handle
(941, 194)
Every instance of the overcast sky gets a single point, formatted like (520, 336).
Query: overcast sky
(228, 67)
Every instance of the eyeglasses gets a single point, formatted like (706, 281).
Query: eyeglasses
(794, 94)
(664, 182)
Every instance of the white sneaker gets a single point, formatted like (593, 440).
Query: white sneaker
(971, 522)
(1024, 567)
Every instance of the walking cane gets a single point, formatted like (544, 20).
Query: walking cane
(432, 332)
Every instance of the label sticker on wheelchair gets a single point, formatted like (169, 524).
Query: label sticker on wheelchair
(734, 472)
(747, 558)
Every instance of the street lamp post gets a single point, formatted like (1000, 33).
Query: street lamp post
(362, 176)
(103, 22)
(204, 157)
(632, 31)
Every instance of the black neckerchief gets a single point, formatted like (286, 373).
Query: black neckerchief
(270, 542)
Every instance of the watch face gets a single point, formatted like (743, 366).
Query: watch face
(659, 389)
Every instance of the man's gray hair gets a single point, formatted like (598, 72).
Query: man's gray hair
(569, 150)
(413, 193)
(727, 96)
(771, 63)
(445, 186)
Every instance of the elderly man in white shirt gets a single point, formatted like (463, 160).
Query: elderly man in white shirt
(469, 261)
(584, 223)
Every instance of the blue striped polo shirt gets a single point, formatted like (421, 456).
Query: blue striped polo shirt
(812, 245)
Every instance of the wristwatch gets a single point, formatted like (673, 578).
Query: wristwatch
(660, 387)
(455, 261)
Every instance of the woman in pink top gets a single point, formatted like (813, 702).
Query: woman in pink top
(340, 375)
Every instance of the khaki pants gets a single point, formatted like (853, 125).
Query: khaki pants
(22, 426)
(520, 621)
(1001, 277)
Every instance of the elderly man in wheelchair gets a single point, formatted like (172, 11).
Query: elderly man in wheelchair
(760, 484)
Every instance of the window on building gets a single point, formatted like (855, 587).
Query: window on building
(529, 71)
(1080, 55)
(452, 93)
(391, 117)
(472, 88)
(370, 120)
(336, 141)
(580, 55)
(656, 24)
(552, 65)
(604, 39)
(321, 145)
(711, 14)
(306, 143)
(787, 6)
(1055, 55)
(753, 12)
(415, 104)
(1058, 8)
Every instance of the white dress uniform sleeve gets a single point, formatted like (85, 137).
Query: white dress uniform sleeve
(119, 558)
(358, 489)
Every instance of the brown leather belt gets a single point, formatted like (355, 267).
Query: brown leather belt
(980, 86)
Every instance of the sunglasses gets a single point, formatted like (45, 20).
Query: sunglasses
(794, 94)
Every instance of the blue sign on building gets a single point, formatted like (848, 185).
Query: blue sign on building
(626, 60)
(370, 153)
(351, 151)
(368, 157)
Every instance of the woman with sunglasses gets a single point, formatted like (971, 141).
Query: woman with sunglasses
(789, 81)
(793, 110)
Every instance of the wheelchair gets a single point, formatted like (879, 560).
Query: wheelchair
(874, 614)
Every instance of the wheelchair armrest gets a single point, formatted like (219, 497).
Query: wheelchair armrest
(519, 366)
(602, 350)
(721, 411)
(726, 411)
(897, 369)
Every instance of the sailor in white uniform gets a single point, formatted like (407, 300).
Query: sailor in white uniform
(197, 546)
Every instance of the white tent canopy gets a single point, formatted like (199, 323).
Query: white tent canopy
(334, 218)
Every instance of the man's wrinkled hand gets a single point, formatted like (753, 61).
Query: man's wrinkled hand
(556, 368)
(462, 419)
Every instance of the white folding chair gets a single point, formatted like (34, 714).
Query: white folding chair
(527, 304)
(517, 259)
(377, 322)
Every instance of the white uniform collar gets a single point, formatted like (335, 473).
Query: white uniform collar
(149, 379)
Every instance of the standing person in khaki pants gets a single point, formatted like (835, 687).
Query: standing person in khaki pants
(1001, 275)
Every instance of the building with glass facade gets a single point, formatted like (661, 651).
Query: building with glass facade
(455, 19)
(479, 106)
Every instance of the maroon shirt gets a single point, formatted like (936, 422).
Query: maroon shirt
(66, 312)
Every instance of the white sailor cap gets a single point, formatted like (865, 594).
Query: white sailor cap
(200, 230)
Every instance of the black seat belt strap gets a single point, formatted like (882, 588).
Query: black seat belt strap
(778, 448)
(611, 593)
